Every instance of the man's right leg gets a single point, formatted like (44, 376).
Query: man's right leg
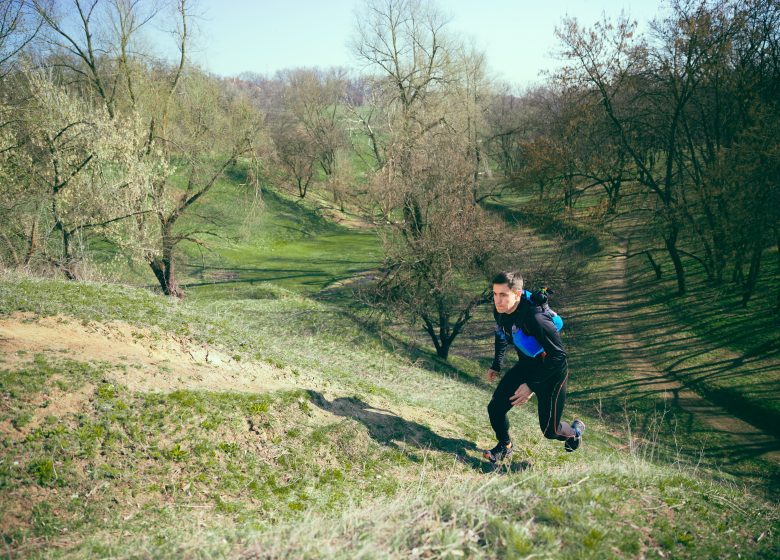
(551, 398)
(499, 405)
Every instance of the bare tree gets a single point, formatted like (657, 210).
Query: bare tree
(296, 151)
(644, 97)
(425, 98)
(19, 25)
(508, 123)
(469, 90)
(682, 104)
(306, 124)
(404, 41)
(437, 273)
(313, 99)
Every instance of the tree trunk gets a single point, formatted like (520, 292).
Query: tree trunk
(569, 192)
(412, 217)
(671, 246)
(162, 265)
(11, 250)
(163, 270)
(738, 277)
(755, 266)
(613, 197)
(655, 265)
(447, 331)
(443, 351)
(32, 241)
(777, 242)
(69, 263)
(445, 336)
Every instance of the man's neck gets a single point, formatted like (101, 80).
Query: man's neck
(514, 307)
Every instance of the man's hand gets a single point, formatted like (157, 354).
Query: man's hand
(492, 375)
(522, 395)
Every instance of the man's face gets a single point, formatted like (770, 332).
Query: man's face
(504, 298)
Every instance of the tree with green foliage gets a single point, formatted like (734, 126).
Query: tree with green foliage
(196, 126)
(71, 172)
(210, 130)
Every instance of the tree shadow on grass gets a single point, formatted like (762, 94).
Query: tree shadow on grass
(419, 355)
(387, 428)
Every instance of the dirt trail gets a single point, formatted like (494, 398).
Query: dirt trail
(739, 433)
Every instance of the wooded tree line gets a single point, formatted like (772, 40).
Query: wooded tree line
(102, 140)
(686, 116)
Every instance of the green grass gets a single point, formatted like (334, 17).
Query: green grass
(285, 244)
(365, 467)
(729, 354)
(274, 239)
(603, 384)
(372, 448)
(705, 339)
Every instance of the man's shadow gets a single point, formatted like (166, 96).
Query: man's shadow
(387, 428)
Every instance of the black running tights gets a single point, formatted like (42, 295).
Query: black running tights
(550, 398)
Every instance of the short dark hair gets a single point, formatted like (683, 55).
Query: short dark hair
(512, 278)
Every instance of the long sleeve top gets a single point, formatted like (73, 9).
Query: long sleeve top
(534, 320)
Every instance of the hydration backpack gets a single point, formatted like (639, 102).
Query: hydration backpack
(526, 343)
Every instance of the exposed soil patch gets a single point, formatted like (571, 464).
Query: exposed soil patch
(151, 360)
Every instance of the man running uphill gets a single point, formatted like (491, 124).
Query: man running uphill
(545, 374)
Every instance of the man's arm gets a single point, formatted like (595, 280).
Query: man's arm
(499, 349)
(555, 361)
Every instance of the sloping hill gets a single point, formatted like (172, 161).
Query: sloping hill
(134, 426)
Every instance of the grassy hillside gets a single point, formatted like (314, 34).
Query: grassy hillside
(251, 239)
(252, 420)
(345, 449)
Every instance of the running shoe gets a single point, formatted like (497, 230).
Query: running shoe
(573, 443)
(498, 453)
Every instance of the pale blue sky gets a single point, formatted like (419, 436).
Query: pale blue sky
(264, 36)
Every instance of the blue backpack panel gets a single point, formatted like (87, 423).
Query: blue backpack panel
(527, 343)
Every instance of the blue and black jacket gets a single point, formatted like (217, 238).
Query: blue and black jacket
(537, 321)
